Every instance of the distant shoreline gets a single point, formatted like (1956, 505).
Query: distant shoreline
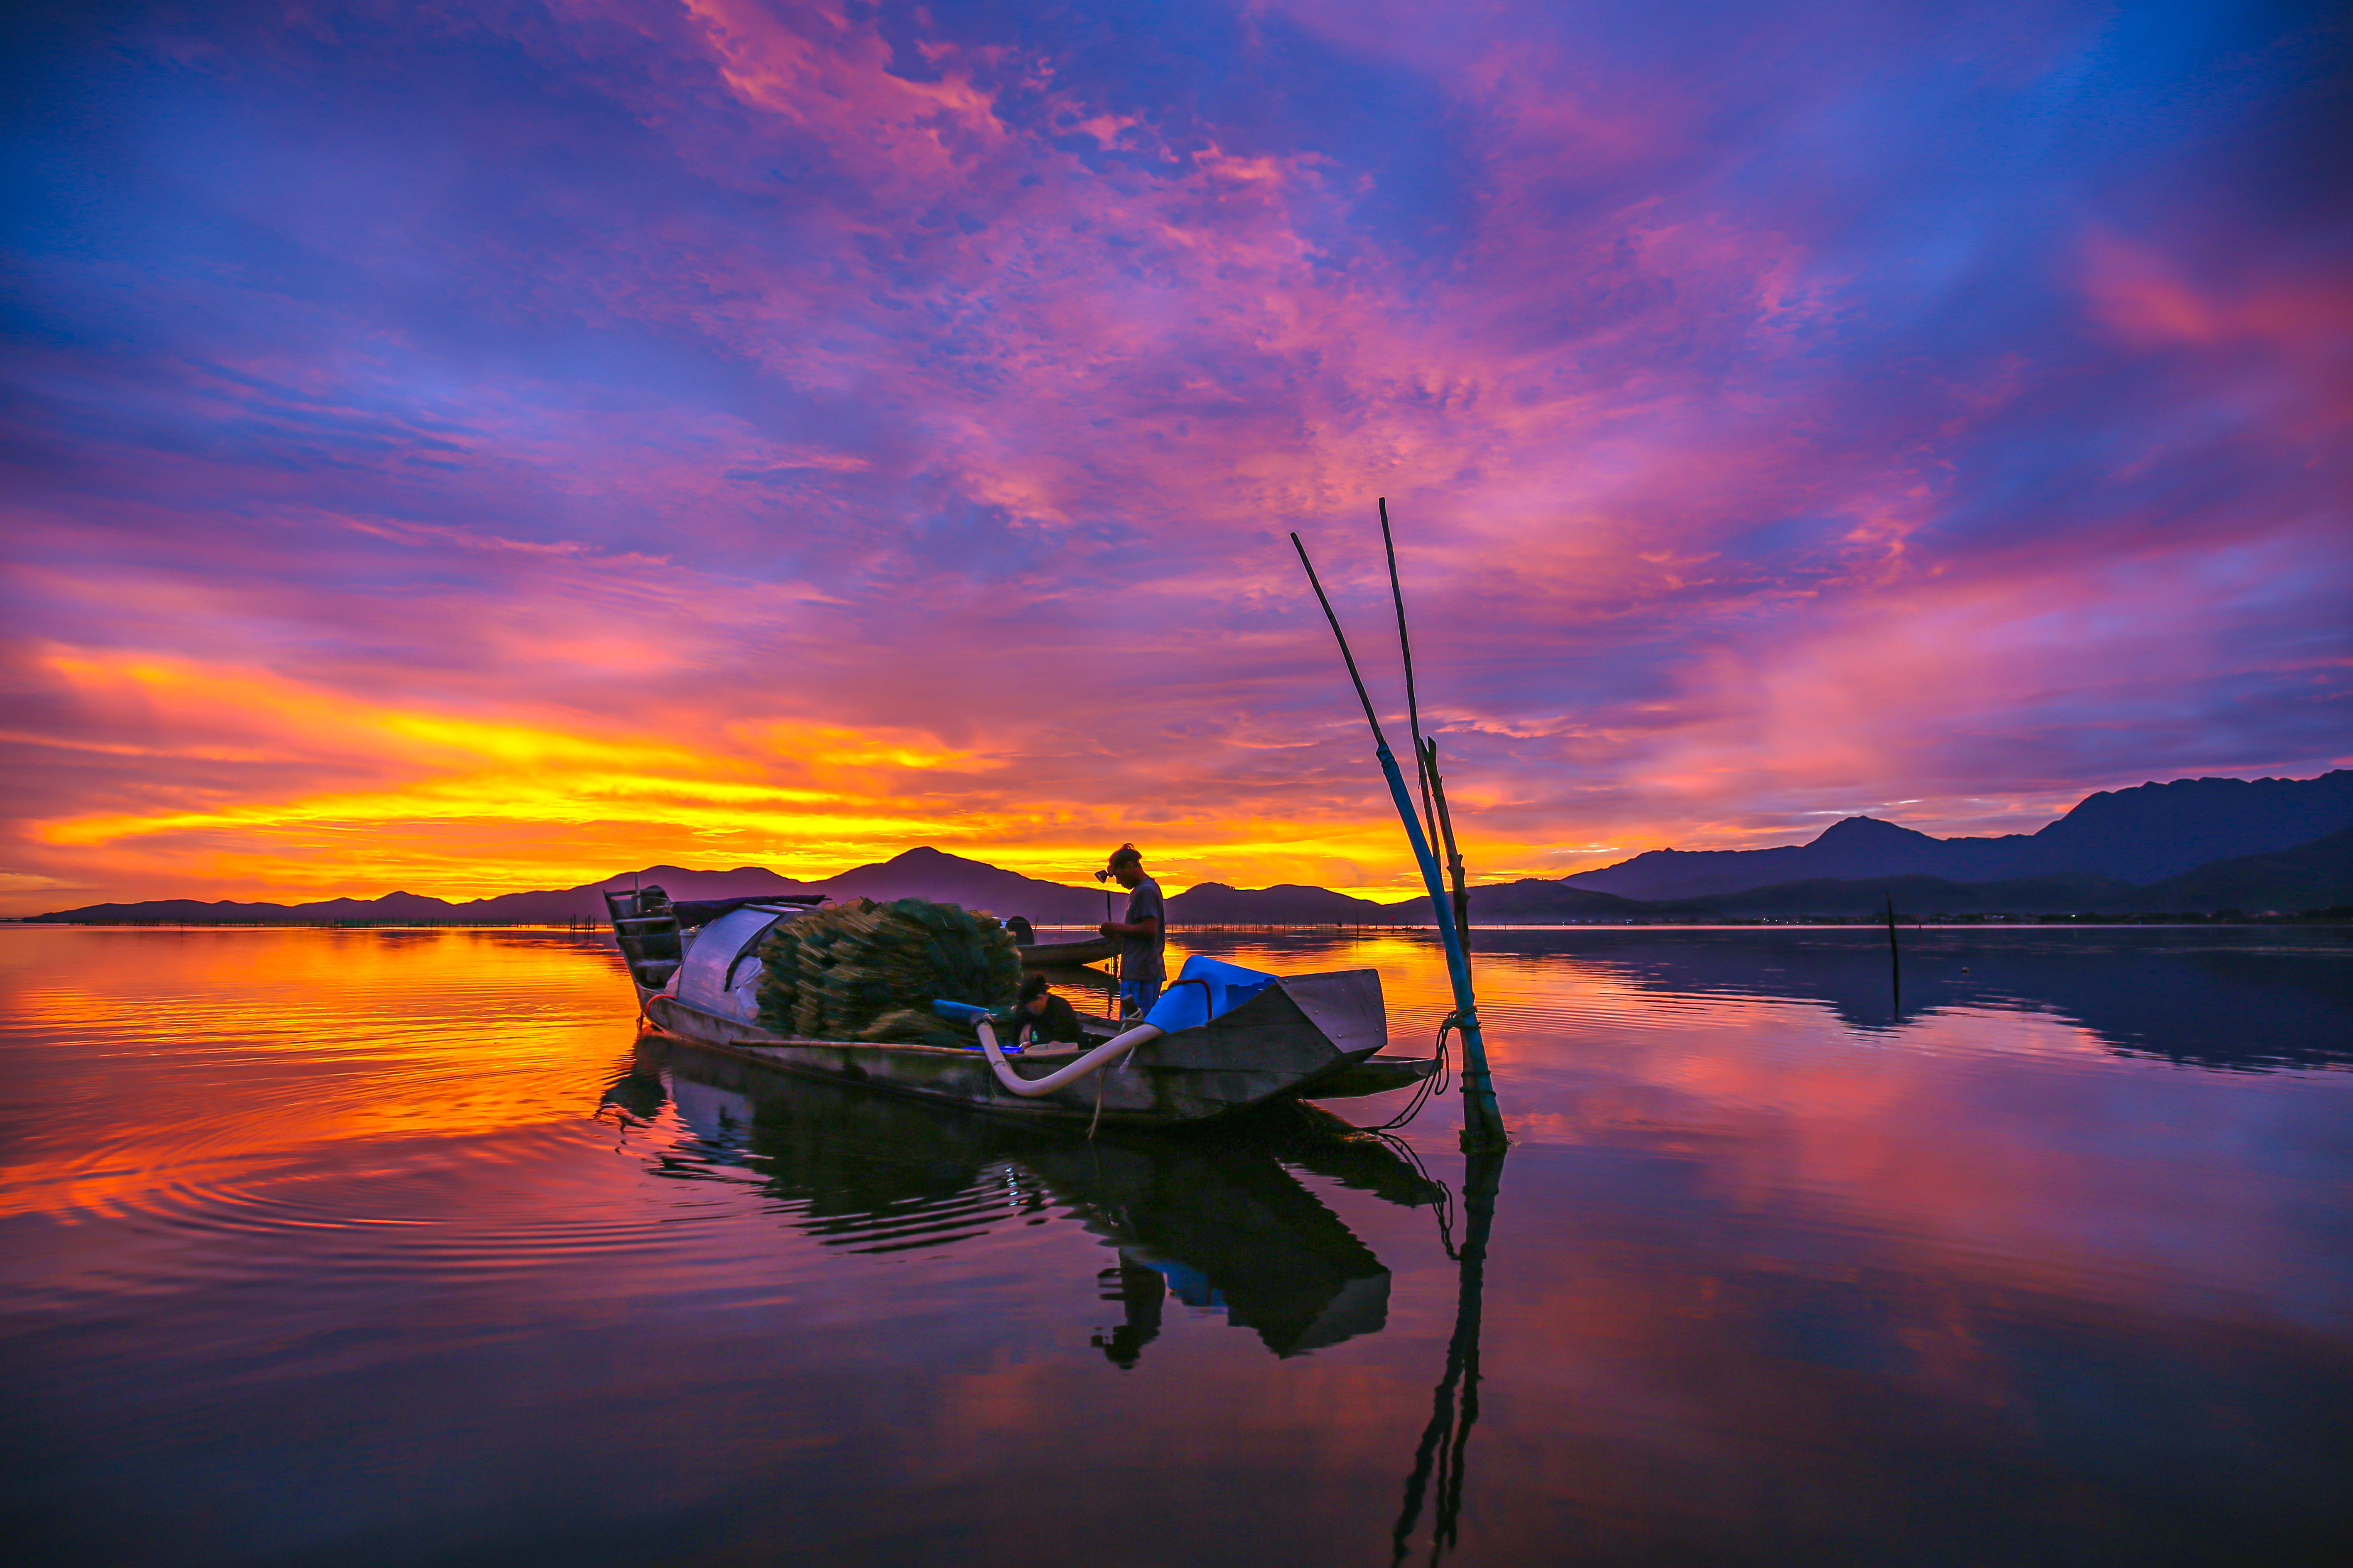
(1935, 921)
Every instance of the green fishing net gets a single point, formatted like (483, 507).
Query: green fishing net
(864, 971)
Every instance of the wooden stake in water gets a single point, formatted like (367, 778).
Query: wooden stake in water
(1482, 1122)
(1894, 962)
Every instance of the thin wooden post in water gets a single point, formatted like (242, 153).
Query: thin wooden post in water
(1482, 1122)
(1894, 962)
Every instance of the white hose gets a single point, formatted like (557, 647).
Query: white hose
(1102, 1056)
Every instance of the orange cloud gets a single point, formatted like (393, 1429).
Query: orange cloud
(329, 793)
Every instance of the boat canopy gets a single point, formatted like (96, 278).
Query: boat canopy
(710, 976)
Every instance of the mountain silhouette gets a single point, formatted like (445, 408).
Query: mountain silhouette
(2318, 874)
(1285, 903)
(2138, 836)
(1856, 866)
(922, 873)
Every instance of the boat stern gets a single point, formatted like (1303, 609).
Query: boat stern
(1345, 1005)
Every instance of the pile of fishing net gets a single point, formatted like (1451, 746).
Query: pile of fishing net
(864, 971)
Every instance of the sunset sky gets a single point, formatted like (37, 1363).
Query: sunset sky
(474, 447)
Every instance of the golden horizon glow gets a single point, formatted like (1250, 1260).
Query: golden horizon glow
(471, 807)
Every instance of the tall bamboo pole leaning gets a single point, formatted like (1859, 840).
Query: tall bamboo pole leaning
(1453, 855)
(1482, 1122)
(1437, 823)
(1413, 701)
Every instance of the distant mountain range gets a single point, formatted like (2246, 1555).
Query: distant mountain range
(1285, 903)
(922, 873)
(2265, 843)
(2137, 836)
(1501, 903)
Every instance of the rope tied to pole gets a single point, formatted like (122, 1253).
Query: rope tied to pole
(1431, 1088)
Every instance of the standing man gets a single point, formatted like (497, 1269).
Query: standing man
(1142, 936)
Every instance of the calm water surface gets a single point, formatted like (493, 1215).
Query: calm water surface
(383, 1247)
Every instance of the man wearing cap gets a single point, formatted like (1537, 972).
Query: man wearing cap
(1142, 936)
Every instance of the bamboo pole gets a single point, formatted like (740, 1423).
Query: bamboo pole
(1482, 1122)
(1413, 703)
(1453, 855)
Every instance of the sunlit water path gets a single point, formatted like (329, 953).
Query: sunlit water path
(393, 1246)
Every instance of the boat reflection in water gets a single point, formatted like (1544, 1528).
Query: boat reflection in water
(1214, 1218)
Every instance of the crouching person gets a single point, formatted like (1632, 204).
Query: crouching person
(1045, 1017)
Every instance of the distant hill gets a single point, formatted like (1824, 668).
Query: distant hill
(2318, 874)
(2142, 834)
(583, 904)
(2068, 893)
(192, 911)
(928, 873)
(1501, 903)
(1859, 846)
(919, 873)
(1286, 903)
(1534, 901)
(2158, 831)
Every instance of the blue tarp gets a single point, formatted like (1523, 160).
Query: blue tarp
(1184, 1006)
(1007, 1024)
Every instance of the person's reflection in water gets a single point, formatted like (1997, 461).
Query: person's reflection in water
(1143, 1292)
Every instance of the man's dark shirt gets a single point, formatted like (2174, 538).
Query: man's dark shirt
(1059, 1021)
(1140, 956)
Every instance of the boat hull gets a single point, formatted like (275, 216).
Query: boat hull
(1374, 1075)
(1068, 954)
(1277, 1044)
(1224, 1220)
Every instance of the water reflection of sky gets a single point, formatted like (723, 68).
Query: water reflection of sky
(390, 1247)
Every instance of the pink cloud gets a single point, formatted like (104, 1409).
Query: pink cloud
(711, 372)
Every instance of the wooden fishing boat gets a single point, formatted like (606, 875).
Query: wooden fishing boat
(1221, 1039)
(1067, 955)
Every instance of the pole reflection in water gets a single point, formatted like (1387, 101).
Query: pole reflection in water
(1215, 1219)
(1442, 1453)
